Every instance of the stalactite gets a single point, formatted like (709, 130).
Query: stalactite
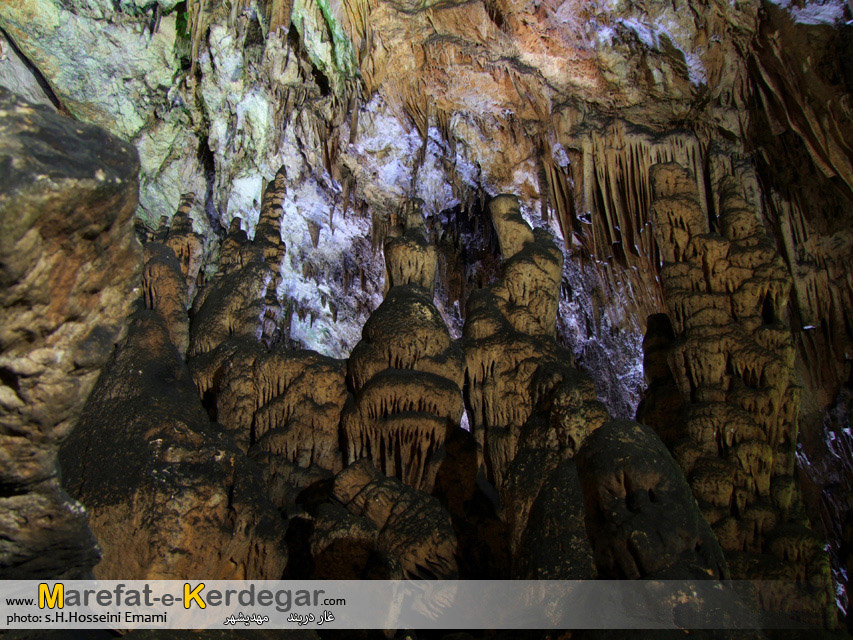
(314, 232)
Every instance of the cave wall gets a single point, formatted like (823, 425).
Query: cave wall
(280, 146)
(69, 275)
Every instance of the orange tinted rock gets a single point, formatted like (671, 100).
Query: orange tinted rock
(70, 272)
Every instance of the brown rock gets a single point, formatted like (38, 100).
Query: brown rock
(187, 244)
(473, 506)
(413, 527)
(283, 407)
(409, 257)
(170, 495)
(241, 299)
(164, 291)
(641, 518)
(406, 373)
(344, 546)
(70, 268)
(508, 334)
(554, 544)
(732, 360)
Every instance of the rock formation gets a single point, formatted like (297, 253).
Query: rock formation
(406, 373)
(411, 527)
(509, 329)
(365, 525)
(282, 407)
(241, 299)
(186, 243)
(147, 460)
(165, 290)
(332, 292)
(731, 358)
(169, 493)
(639, 512)
(521, 388)
(68, 273)
(582, 496)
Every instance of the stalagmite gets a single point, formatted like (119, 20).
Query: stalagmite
(732, 358)
(406, 373)
(164, 290)
(242, 298)
(508, 333)
(187, 244)
(549, 445)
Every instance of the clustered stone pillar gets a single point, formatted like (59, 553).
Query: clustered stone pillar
(730, 355)
(406, 373)
(582, 496)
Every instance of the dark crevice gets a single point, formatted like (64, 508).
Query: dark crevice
(208, 401)
(322, 82)
(37, 74)
(254, 34)
(768, 313)
(300, 564)
(206, 158)
(12, 489)
(10, 379)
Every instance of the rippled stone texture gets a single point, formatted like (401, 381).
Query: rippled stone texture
(508, 333)
(70, 269)
(731, 357)
(412, 526)
(406, 373)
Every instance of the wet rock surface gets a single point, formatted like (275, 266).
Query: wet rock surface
(70, 269)
(731, 356)
(336, 287)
